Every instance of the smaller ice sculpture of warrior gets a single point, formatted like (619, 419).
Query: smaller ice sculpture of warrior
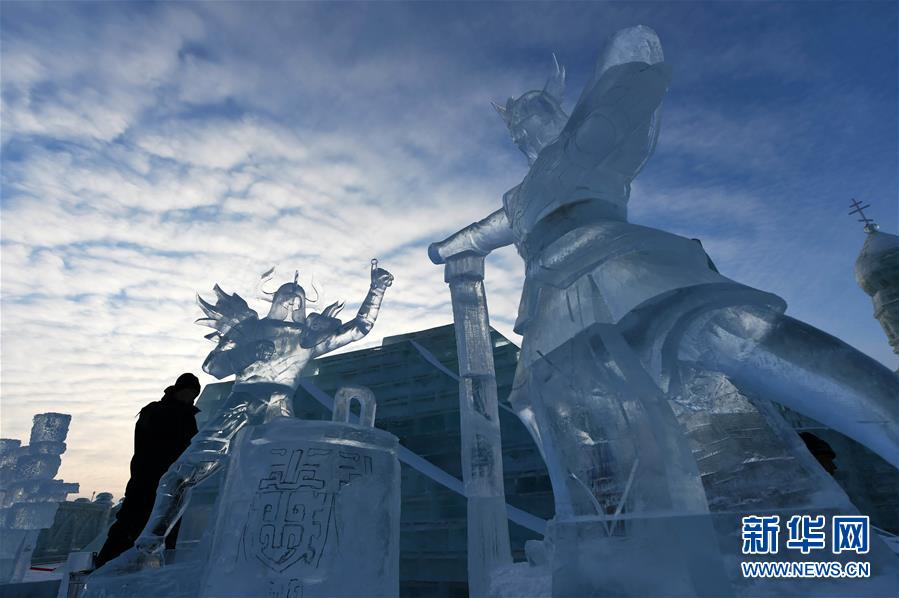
(614, 315)
(267, 356)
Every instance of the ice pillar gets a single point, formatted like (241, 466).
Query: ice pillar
(482, 457)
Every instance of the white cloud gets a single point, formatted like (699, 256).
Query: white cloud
(111, 229)
(153, 151)
(77, 77)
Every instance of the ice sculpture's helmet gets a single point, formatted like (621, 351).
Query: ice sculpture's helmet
(289, 301)
(536, 118)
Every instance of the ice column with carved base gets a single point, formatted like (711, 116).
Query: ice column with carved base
(482, 459)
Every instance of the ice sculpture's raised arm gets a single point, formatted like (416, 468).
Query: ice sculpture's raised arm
(480, 238)
(365, 318)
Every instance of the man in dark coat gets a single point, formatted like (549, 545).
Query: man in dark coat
(164, 429)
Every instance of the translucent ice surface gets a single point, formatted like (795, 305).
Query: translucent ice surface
(50, 427)
(309, 508)
(482, 457)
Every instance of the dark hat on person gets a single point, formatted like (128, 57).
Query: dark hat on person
(187, 380)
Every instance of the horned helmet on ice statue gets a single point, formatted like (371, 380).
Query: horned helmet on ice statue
(290, 300)
(536, 117)
(243, 339)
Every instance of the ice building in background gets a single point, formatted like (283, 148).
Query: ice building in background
(877, 273)
(29, 496)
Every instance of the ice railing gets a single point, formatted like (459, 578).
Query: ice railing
(422, 465)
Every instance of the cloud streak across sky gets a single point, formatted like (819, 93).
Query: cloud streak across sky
(152, 150)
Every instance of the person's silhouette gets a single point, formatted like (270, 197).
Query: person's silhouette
(164, 429)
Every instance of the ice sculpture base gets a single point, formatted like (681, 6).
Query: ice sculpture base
(521, 579)
(174, 580)
(670, 555)
(308, 508)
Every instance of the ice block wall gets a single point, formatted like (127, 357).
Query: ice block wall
(29, 496)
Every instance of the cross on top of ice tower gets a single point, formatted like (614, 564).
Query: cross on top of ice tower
(877, 273)
(870, 225)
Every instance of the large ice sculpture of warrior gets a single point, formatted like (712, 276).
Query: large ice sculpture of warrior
(267, 356)
(620, 322)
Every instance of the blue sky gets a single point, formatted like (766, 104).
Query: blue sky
(152, 150)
